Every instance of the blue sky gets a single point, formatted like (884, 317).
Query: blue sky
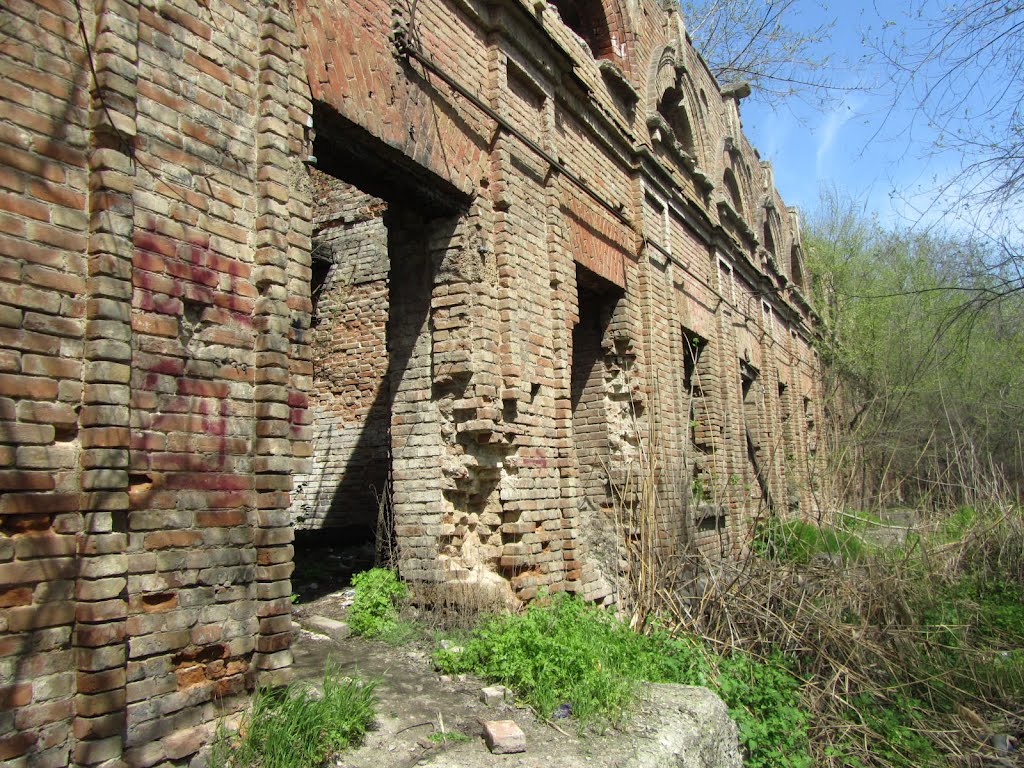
(856, 142)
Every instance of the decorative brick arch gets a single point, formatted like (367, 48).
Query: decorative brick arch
(733, 190)
(662, 74)
(772, 233)
(672, 95)
(796, 267)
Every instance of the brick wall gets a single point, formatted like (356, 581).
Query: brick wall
(148, 235)
(253, 263)
(350, 404)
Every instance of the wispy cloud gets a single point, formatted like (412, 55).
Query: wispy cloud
(829, 129)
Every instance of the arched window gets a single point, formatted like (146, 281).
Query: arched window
(796, 270)
(672, 107)
(587, 19)
(732, 188)
(768, 239)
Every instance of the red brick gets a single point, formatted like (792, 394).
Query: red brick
(36, 716)
(202, 388)
(172, 539)
(45, 545)
(35, 511)
(57, 414)
(157, 325)
(91, 705)
(103, 611)
(27, 386)
(53, 279)
(11, 596)
(23, 206)
(223, 518)
(29, 434)
(94, 682)
(209, 481)
(29, 342)
(99, 727)
(58, 238)
(31, 163)
(105, 437)
(14, 480)
(16, 745)
(56, 194)
(98, 635)
(12, 180)
(32, 617)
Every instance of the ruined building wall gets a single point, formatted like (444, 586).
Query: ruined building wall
(350, 406)
(182, 185)
(150, 235)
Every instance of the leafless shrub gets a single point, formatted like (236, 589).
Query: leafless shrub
(855, 627)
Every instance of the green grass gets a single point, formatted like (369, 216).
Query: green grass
(565, 651)
(954, 526)
(448, 737)
(298, 726)
(764, 699)
(799, 541)
(854, 520)
(975, 633)
(897, 727)
(374, 610)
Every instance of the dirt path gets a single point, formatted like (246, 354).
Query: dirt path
(413, 700)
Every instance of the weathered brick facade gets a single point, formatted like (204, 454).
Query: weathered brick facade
(262, 264)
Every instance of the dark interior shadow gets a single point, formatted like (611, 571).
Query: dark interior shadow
(419, 207)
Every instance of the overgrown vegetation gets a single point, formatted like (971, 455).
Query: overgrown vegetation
(904, 617)
(849, 642)
(374, 610)
(298, 726)
(922, 340)
(563, 655)
(909, 648)
(800, 541)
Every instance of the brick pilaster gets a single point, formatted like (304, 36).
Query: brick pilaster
(101, 588)
(273, 466)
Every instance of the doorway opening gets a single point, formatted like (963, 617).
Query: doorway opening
(370, 287)
(753, 397)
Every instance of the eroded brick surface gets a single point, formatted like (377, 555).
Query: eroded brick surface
(259, 271)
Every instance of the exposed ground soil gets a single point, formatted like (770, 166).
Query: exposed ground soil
(413, 699)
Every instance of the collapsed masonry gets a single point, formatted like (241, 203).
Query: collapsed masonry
(266, 265)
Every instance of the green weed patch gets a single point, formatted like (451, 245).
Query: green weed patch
(374, 610)
(799, 541)
(567, 652)
(298, 726)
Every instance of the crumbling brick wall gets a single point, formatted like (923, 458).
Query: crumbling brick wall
(350, 406)
(173, 405)
(155, 217)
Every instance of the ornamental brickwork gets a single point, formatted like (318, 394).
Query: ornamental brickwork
(273, 267)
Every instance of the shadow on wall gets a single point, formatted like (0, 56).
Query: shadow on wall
(351, 481)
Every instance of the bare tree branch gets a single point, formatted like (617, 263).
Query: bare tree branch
(758, 41)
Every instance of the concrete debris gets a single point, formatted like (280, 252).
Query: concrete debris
(334, 629)
(495, 695)
(684, 727)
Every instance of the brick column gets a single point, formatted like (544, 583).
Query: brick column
(273, 456)
(730, 461)
(101, 589)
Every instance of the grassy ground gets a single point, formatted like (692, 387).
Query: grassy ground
(299, 726)
(831, 647)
